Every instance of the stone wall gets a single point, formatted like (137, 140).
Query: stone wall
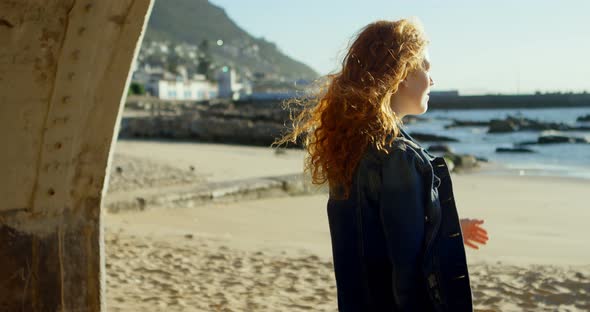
(241, 123)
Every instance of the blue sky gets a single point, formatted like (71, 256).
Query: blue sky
(476, 47)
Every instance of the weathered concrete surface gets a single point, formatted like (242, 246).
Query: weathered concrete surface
(199, 194)
(64, 69)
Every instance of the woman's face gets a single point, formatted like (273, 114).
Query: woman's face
(413, 93)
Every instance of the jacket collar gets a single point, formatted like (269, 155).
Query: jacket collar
(416, 144)
(406, 135)
(429, 157)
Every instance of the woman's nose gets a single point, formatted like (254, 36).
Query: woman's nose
(431, 82)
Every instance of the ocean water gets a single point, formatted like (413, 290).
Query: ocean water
(571, 160)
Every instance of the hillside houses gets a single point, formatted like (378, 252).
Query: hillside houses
(185, 72)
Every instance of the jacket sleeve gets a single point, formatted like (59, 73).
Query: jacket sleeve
(401, 206)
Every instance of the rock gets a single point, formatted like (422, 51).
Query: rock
(431, 137)
(450, 163)
(467, 123)
(514, 150)
(481, 159)
(526, 143)
(553, 138)
(519, 123)
(443, 148)
(280, 151)
(580, 128)
(141, 202)
(584, 118)
(500, 126)
(466, 161)
(460, 161)
(239, 131)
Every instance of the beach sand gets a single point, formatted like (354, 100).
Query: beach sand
(274, 254)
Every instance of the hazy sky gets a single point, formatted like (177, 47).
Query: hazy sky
(477, 46)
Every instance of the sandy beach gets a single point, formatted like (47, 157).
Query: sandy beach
(274, 254)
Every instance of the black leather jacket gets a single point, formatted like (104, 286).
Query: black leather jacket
(396, 241)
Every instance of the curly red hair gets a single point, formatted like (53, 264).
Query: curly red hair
(351, 109)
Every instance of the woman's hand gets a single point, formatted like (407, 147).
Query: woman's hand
(473, 233)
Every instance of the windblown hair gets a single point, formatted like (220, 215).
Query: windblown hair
(350, 110)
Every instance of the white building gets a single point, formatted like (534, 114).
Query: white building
(191, 90)
(229, 87)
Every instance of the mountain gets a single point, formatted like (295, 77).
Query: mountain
(193, 21)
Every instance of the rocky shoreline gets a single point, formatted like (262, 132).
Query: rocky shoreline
(513, 124)
(259, 124)
(244, 124)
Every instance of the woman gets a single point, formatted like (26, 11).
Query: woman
(397, 242)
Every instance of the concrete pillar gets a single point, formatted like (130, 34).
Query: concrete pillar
(64, 72)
